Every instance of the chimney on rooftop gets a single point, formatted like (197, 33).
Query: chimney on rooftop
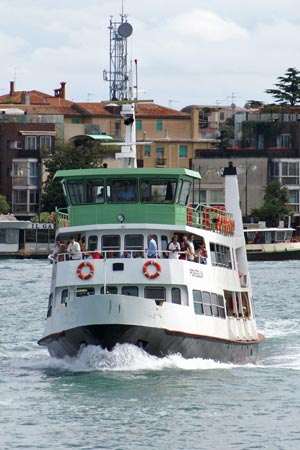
(61, 92)
(12, 88)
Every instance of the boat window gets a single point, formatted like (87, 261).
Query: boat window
(176, 295)
(85, 291)
(109, 290)
(111, 245)
(92, 243)
(30, 235)
(86, 191)
(50, 303)
(42, 236)
(9, 236)
(164, 245)
(64, 296)
(157, 190)
(157, 293)
(77, 191)
(130, 290)
(279, 236)
(134, 242)
(207, 303)
(220, 255)
(221, 307)
(184, 192)
(120, 191)
(198, 305)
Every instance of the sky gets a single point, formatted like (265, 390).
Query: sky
(214, 52)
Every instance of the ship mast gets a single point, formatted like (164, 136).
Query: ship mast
(121, 86)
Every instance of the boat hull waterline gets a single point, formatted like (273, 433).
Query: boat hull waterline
(155, 341)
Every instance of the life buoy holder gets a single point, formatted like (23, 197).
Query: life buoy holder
(153, 263)
(88, 275)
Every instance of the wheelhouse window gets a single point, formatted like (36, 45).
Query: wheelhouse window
(86, 191)
(121, 191)
(184, 192)
(157, 190)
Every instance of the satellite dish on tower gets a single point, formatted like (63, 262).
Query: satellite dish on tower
(125, 29)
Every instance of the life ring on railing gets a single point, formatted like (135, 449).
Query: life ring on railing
(157, 266)
(88, 275)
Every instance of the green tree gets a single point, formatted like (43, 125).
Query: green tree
(275, 205)
(68, 157)
(226, 133)
(288, 88)
(4, 206)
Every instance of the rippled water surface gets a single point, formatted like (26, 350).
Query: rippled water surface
(127, 399)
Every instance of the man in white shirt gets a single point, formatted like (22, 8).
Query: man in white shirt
(74, 249)
(191, 248)
(174, 248)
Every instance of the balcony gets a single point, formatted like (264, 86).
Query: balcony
(161, 162)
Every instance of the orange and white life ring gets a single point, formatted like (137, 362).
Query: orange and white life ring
(157, 266)
(87, 276)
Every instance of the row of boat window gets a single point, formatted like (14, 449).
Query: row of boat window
(205, 303)
(135, 244)
(145, 190)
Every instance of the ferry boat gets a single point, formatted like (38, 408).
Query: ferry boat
(25, 239)
(116, 292)
(271, 244)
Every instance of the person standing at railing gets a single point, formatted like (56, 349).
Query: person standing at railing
(74, 249)
(152, 247)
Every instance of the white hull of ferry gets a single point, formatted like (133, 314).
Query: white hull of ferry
(160, 327)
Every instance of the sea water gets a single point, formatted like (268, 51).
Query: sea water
(126, 399)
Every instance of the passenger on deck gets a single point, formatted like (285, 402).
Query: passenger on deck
(152, 247)
(191, 248)
(184, 249)
(56, 248)
(74, 249)
(174, 248)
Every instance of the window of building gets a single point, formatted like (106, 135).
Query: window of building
(45, 142)
(284, 140)
(183, 151)
(222, 116)
(290, 173)
(30, 143)
(130, 290)
(159, 125)
(75, 121)
(217, 196)
(14, 145)
(138, 124)
(160, 152)
(147, 149)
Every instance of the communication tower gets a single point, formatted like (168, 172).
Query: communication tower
(120, 86)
